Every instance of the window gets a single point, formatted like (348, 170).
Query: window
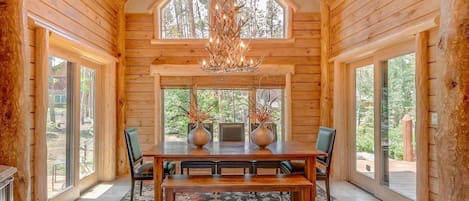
(182, 19)
(266, 19)
(187, 19)
(224, 106)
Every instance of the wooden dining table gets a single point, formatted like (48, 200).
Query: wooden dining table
(233, 151)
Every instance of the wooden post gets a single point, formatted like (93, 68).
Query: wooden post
(14, 138)
(422, 123)
(40, 152)
(325, 77)
(452, 137)
(121, 155)
(408, 146)
(340, 121)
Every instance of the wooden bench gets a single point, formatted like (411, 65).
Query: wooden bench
(235, 183)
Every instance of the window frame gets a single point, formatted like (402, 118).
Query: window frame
(289, 6)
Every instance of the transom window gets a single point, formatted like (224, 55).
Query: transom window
(190, 19)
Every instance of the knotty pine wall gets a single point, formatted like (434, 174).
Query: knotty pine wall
(304, 52)
(92, 22)
(358, 22)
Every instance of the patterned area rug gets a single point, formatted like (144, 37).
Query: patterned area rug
(147, 195)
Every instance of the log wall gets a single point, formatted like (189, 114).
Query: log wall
(304, 52)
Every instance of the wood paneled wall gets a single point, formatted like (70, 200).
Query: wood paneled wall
(92, 22)
(304, 52)
(358, 22)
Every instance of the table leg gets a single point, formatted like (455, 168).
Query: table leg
(305, 193)
(158, 178)
(310, 171)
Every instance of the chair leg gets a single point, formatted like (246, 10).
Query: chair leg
(141, 187)
(132, 190)
(328, 191)
(182, 170)
(213, 170)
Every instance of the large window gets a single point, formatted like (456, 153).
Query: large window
(223, 105)
(189, 19)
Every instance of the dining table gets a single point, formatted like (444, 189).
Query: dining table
(233, 151)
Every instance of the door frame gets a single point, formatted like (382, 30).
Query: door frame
(378, 58)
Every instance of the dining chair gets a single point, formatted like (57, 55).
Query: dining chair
(199, 164)
(266, 164)
(325, 143)
(233, 132)
(139, 170)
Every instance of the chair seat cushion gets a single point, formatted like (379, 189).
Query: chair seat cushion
(145, 171)
(298, 167)
(198, 164)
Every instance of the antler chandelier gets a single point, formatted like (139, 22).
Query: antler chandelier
(227, 52)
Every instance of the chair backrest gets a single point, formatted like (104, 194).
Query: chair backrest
(208, 126)
(231, 132)
(325, 143)
(133, 147)
(270, 125)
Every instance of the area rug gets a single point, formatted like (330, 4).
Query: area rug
(147, 195)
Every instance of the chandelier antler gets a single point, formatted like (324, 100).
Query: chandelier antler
(227, 52)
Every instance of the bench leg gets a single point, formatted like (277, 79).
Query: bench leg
(169, 194)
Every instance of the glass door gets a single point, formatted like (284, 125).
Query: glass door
(59, 128)
(382, 124)
(87, 126)
(72, 131)
(363, 161)
(398, 117)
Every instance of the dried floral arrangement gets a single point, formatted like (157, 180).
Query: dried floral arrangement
(195, 114)
(264, 112)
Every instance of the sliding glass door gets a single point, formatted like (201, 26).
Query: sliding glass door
(71, 130)
(59, 128)
(382, 108)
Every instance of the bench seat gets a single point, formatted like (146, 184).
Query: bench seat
(236, 183)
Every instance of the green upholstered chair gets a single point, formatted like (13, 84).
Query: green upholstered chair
(325, 143)
(139, 170)
(232, 132)
(199, 164)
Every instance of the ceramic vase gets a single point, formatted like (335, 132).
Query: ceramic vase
(199, 136)
(262, 136)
